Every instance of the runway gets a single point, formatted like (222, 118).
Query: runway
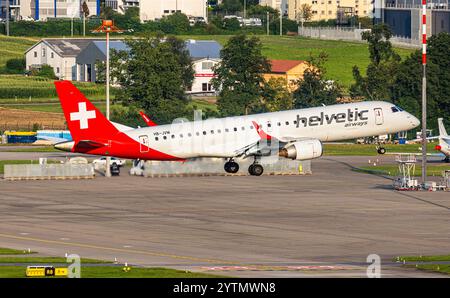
(325, 224)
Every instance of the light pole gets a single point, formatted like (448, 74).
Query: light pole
(7, 17)
(424, 91)
(107, 27)
(245, 9)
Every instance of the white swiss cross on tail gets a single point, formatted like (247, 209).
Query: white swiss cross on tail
(82, 115)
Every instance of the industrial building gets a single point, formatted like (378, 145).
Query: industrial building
(157, 9)
(404, 17)
(45, 9)
(121, 6)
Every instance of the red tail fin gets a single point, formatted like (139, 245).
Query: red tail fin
(147, 120)
(85, 121)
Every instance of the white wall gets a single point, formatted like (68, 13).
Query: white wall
(202, 75)
(156, 9)
(62, 66)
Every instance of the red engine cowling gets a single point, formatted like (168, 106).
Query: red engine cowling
(302, 150)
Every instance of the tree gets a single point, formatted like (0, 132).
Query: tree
(231, 6)
(407, 92)
(239, 76)
(313, 89)
(175, 23)
(153, 77)
(276, 96)
(85, 9)
(231, 24)
(304, 14)
(380, 74)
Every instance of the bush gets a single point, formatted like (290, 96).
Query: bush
(176, 23)
(16, 65)
(231, 24)
(47, 72)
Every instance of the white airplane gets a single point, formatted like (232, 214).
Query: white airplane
(444, 141)
(294, 134)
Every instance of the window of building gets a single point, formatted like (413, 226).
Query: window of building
(207, 65)
(206, 87)
(52, 55)
(57, 70)
(35, 54)
(166, 11)
(43, 52)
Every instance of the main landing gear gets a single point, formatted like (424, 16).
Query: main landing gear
(231, 167)
(254, 169)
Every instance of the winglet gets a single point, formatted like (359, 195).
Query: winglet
(147, 120)
(261, 133)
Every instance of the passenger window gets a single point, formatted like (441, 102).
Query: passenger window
(227, 130)
(189, 135)
(279, 123)
(173, 136)
(212, 131)
(204, 133)
(197, 133)
(156, 138)
(287, 122)
(235, 129)
(165, 137)
(243, 128)
(181, 135)
(219, 131)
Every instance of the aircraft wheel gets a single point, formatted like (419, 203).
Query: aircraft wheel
(231, 167)
(381, 150)
(256, 169)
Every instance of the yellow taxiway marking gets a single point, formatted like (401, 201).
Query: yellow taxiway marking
(143, 252)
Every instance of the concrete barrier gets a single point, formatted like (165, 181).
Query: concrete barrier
(214, 166)
(48, 171)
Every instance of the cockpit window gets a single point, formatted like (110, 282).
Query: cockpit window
(396, 109)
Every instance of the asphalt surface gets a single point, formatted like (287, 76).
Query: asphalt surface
(321, 225)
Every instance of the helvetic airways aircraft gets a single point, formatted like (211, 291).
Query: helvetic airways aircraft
(294, 134)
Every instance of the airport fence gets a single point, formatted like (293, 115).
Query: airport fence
(352, 34)
(214, 166)
(48, 171)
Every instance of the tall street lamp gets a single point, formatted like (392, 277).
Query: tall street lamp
(107, 27)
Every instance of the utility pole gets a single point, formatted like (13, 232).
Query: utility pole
(7, 17)
(245, 9)
(424, 91)
(267, 25)
(107, 27)
(281, 22)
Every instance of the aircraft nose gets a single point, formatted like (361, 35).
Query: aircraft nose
(414, 121)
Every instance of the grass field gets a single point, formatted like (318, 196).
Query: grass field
(9, 251)
(370, 150)
(392, 170)
(342, 56)
(14, 266)
(13, 47)
(436, 267)
(113, 272)
(34, 149)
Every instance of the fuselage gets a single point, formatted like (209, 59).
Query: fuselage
(226, 137)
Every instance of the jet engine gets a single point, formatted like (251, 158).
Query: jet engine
(302, 150)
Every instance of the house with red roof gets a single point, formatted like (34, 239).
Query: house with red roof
(289, 70)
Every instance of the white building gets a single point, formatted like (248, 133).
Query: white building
(60, 54)
(121, 6)
(204, 73)
(44, 9)
(155, 9)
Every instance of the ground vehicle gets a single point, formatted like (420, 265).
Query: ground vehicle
(102, 161)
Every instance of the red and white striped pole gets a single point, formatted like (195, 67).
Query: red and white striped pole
(424, 91)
